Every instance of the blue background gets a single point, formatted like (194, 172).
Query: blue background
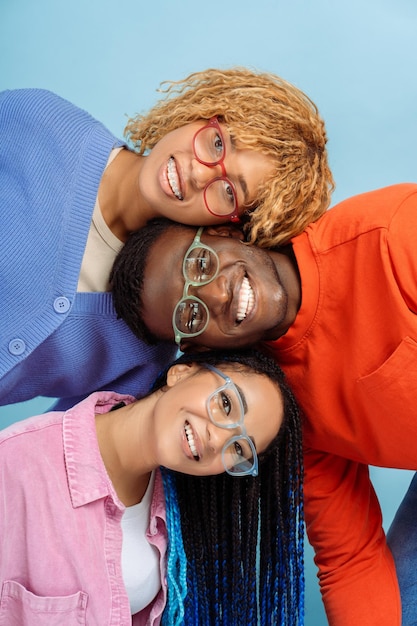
(357, 60)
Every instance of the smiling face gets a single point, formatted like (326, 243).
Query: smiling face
(187, 440)
(254, 297)
(172, 180)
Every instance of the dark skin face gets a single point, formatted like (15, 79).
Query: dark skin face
(274, 286)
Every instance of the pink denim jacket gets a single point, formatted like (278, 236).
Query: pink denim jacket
(60, 525)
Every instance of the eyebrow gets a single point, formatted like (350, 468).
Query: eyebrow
(245, 408)
(242, 397)
(242, 181)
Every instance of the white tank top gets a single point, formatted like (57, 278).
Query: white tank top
(140, 560)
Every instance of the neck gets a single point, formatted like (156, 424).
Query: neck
(287, 267)
(120, 201)
(126, 450)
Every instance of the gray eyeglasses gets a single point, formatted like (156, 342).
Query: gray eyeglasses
(200, 266)
(226, 410)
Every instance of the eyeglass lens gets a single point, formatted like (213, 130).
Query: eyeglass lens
(225, 408)
(200, 265)
(238, 455)
(219, 194)
(190, 316)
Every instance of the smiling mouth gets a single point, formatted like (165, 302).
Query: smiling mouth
(246, 300)
(173, 179)
(190, 439)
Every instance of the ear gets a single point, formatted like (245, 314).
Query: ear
(180, 371)
(225, 230)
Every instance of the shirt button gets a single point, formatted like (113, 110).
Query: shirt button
(61, 305)
(17, 347)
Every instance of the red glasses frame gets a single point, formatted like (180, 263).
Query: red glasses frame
(234, 215)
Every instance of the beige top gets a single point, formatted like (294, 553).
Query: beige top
(100, 251)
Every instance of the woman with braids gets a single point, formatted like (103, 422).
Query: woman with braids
(240, 549)
(223, 145)
(84, 526)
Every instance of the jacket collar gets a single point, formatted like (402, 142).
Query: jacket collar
(87, 476)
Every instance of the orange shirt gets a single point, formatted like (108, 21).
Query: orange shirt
(351, 359)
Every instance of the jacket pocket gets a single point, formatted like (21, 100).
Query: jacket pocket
(392, 386)
(20, 607)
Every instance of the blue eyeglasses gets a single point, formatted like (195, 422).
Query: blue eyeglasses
(226, 410)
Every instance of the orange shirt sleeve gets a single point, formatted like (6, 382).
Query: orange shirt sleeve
(344, 524)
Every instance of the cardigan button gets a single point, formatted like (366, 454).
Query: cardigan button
(61, 304)
(17, 347)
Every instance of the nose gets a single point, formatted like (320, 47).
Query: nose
(202, 174)
(217, 437)
(215, 295)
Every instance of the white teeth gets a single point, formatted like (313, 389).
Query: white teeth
(190, 439)
(246, 300)
(173, 179)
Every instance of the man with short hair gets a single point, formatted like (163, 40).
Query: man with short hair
(337, 308)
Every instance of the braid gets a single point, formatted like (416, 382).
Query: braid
(281, 573)
(176, 559)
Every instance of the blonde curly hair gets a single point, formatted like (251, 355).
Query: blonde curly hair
(262, 112)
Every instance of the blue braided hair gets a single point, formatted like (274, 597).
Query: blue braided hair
(235, 544)
(176, 558)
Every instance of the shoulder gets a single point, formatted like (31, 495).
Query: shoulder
(383, 202)
(39, 108)
(30, 99)
(363, 214)
(21, 434)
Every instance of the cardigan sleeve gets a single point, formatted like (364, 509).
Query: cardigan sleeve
(344, 524)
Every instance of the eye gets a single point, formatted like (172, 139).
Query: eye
(229, 193)
(238, 449)
(226, 403)
(218, 145)
(242, 449)
(190, 317)
(196, 317)
(204, 265)
(200, 265)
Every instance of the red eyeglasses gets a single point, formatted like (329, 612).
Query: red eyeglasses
(220, 195)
